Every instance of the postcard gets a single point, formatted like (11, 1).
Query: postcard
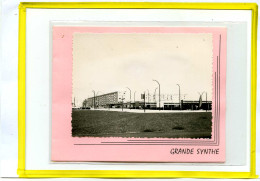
(138, 94)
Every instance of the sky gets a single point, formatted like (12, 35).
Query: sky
(106, 63)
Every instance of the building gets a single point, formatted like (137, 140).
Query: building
(196, 105)
(188, 105)
(104, 100)
(113, 100)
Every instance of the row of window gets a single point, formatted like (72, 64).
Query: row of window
(103, 99)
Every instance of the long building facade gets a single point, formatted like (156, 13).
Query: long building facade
(112, 100)
(104, 100)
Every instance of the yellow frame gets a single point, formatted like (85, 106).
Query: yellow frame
(22, 172)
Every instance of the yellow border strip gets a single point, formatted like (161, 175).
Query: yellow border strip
(133, 174)
(22, 172)
(253, 88)
(138, 5)
(21, 89)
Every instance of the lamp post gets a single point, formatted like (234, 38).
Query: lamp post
(122, 101)
(130, 97)
(98, 101)
(207, 102)
(94, 99)
(148, 96)
(200, 101)
(134, 100)
(155, 94)
(159, 94)
(179, 95)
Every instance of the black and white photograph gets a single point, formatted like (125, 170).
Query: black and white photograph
(143, 85)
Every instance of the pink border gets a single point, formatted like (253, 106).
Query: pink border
(63, 148)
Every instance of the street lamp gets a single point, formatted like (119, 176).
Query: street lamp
(207, 108)
(130, 97)
(98, 101)
(148, 96)
(155, 94)
(159, 94)
(122, 101)
(134, 99)
(94, 98)
(200, 99)
(179, 95)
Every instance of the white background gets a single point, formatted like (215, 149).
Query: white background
(38, 77)
(9, 54)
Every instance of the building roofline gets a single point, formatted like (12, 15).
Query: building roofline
(103, 94)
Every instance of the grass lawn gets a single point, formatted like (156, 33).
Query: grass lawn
(95, 123)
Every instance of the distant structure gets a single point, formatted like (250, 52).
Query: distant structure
(113, 100)
(189, 105)
(104, 100)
